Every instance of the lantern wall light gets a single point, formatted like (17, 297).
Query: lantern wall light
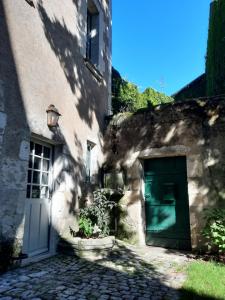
(52, 116)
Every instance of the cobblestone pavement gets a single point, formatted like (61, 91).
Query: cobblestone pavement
(128, 273)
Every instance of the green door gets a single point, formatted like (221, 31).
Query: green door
(166, 203)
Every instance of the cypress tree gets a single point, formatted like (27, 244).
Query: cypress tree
(215, 60)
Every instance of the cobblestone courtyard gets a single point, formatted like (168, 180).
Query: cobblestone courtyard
(129, 273)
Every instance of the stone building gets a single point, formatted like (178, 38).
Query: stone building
(170, 160)
(51, 53)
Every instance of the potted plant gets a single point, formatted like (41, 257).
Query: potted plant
(93, 239)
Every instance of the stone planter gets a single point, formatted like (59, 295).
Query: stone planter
(87, 248)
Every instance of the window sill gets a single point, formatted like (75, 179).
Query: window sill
(94, 71)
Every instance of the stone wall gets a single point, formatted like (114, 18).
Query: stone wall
(42, 62)
(194, 129)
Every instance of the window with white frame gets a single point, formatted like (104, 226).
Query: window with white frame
(39, 171)
(92, 47)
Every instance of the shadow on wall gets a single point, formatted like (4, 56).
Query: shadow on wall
(197, 125)
(68, 169)
(13, 167)
(67, 49)
(13, 192)
(69, 179)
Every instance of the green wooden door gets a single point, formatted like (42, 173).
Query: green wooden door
(166, 203)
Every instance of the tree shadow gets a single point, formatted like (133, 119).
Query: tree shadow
(68, 48)
(70, 167)
(123, 274)
(192, 295)
(193, 129)
(16, 130)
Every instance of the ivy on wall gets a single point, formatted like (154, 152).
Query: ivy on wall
(215, 60)
(212, 83)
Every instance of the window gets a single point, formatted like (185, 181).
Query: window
(38, 171)
(92, 47)
(89, 153)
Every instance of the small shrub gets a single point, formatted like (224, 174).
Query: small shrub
(95, 219)
(85, 227)
(214, 229)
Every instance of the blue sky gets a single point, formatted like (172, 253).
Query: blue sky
(160, 43)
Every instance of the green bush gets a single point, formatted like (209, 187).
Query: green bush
(126, 96)
(95, 219)
(85, 227)
(214, 229)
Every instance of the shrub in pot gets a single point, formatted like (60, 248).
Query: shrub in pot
(95, 219)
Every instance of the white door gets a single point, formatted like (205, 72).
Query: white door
(38, 204)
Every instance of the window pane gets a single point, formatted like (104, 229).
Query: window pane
(93, 37)
(30, 162)
(38, 149)
(36, 177)
(47, 152)
(29, 176)
(44, 178)
(88, 169)
(88, 46)
(31, 146)
(88, 162)
(37, 163)
(45, 165)
(35, 191)
(28, 191)
(44, 192)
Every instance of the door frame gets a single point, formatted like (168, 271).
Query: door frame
(51, 247)
(162, 152)
(187, 204)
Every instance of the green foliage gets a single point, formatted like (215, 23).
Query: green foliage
(154, 97)
(96, 218)
(215, 61)
(127, 97)
(212, 83)
(214, 229)
(85, 227)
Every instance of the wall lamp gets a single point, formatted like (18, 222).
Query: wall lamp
(52, 116)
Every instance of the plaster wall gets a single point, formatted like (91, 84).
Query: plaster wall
(42, 62)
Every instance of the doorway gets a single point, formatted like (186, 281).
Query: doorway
(166, 203)
(38, 200)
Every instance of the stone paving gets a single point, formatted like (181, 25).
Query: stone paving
(128, 273)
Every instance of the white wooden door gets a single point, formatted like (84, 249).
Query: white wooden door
(38, 203)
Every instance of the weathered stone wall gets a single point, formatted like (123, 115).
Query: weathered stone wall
(14, 144)
(194, 129)
(42, 62)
